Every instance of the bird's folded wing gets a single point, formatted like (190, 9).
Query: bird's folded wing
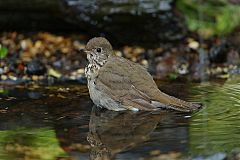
(115, 79)
(120, 90)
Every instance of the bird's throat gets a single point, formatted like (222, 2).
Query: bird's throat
(93, 67)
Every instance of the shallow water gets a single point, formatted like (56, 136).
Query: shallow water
(60, 122)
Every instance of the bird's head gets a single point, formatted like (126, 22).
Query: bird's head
(98, 49)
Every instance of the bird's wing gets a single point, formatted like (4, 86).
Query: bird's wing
(131, 84)
(115, 79)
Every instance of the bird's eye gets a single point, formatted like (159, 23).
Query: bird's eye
(99, 50)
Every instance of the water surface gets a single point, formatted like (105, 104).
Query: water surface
(60, 122)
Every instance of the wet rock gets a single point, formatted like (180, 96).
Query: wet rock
(172, 65)
(141, 22)
(233, 57)
(165, 65)
(35, 67)
(82, 80)
(236, 2)
(218, 52)
(1, 71)
(235, 155)
(126, 21)
(234, 38)
(34, 95)
(234, 71)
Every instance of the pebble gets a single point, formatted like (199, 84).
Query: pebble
(34, 77)
(155, 152)
(23, 44)
(12, 77)
(35, 67)
(81, 71)
(144, 63)
(4, 77)
(193, 44)
(47, 53)
(25, 77)
(1, 70)
(78, 45)
(38, 44)
(61, 53)
(54, 73)
(118, 53)
(134, 59)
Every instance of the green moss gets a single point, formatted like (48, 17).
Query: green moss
(29, 144)
(3, 52)
(210, 18)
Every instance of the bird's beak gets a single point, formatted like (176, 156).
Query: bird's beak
(84, 51)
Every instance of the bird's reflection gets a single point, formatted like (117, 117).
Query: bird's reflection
(121, 135)
(113, 132)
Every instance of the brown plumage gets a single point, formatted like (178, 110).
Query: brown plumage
(118, 84)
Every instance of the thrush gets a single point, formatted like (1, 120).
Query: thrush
(119, 84)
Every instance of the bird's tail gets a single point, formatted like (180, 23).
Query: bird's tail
(176, 104)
